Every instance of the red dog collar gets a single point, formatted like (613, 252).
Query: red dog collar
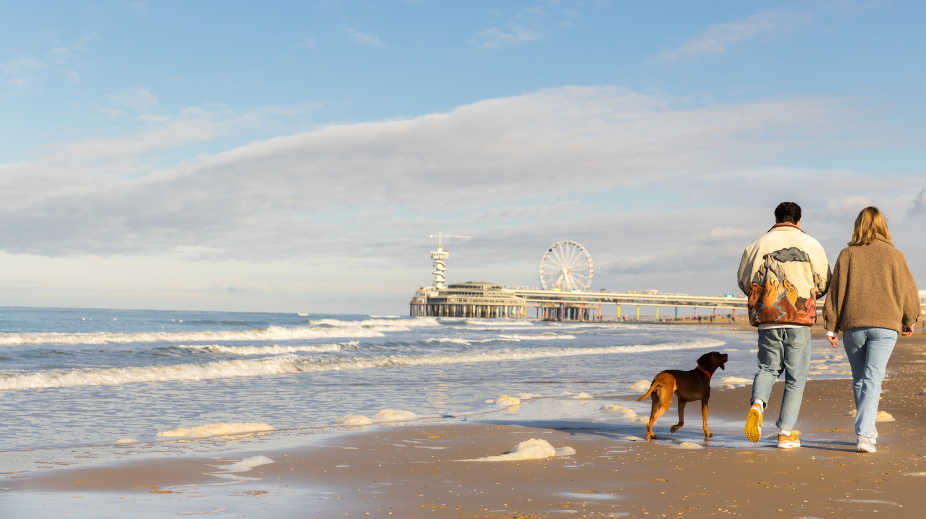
(705, 371)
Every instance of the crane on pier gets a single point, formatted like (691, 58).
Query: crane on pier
(439, 256)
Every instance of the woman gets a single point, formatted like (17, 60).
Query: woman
(872, 296)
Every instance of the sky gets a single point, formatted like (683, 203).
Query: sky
(296, 156)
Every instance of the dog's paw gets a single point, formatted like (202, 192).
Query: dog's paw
(708, 435)
(674, 428)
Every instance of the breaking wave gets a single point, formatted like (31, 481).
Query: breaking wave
(292, 364)
(272, 333)
(379, 324)
(270, 350)
(501, 338)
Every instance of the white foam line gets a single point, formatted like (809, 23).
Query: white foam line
(379, 323)
(273, 333)
(291, 364)
(269, 350)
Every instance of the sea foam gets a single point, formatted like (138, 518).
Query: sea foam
(269, 350)
(215, 429)
(532, 449)
(247, 464)
(292, 364)
(272, 333)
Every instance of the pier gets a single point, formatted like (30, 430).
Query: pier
(482, 299)
(566, 272)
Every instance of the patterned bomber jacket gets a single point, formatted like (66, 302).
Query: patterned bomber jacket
(784, 272)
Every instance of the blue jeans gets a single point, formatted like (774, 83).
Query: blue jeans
(869, 350)
(787, 350)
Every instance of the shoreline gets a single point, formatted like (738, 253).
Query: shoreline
(413, 470)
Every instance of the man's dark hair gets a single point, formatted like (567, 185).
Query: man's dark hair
(788, 212)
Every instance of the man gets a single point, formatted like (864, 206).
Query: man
(783, 272)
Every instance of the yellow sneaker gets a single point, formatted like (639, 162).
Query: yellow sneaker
(791, 441)
(754, 423)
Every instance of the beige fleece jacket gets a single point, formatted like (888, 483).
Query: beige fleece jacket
(872, 287)
(784, 272)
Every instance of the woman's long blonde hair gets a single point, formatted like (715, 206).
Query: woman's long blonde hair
(869, 224)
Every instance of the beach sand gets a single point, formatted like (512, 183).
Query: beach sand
(415, 470)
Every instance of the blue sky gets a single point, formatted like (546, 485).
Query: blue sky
(295, 156)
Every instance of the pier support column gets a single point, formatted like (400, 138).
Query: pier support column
(618, 312)
(676, 313)
(657, 312)
(638, 312)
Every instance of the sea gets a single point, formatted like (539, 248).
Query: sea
(79, 377)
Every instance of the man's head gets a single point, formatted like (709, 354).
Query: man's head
(788, 212)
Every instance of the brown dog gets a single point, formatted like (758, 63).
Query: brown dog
(688, 385)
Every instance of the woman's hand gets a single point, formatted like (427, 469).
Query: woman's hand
(833, 340)
(906, 331)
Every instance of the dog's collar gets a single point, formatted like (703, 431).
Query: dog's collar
(705, 371)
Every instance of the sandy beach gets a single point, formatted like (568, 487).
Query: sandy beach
(421, 470)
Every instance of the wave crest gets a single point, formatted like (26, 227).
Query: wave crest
(292, 364)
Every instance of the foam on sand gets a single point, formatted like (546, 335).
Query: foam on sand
(394, 415)
(247, 464)
(689, 445)
(216, 429)
(353, 419)
(532, 449)
(269, 350)
(883, 416)
(583, 396)
(528, 396)
(627, 413)
(640, 385)
(508, 401)
(125, 441)
(284, 364)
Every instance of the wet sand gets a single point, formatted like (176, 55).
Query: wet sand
(414, 471)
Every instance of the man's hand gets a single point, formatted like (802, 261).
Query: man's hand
(906, 331)
(833, 340)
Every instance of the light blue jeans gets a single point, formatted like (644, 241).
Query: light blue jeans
(869, 350)
(783, 350)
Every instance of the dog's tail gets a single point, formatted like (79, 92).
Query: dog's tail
(652, 388)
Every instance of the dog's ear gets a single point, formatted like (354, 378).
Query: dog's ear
(705, 361)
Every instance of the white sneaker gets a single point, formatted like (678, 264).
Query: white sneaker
(865, 445)
(873, 436)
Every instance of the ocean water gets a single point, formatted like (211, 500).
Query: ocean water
(90, 377)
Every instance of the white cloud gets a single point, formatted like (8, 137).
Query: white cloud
(138, 99)
(339, 189)
(361, 38)
(493, 37)
(24, 72)
(717, 38)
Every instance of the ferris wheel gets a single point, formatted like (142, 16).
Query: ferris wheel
(566, 266)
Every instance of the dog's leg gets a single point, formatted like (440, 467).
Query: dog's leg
(661, 400)
(707, 433)
(681, 416)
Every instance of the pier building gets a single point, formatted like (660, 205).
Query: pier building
(470, 299)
